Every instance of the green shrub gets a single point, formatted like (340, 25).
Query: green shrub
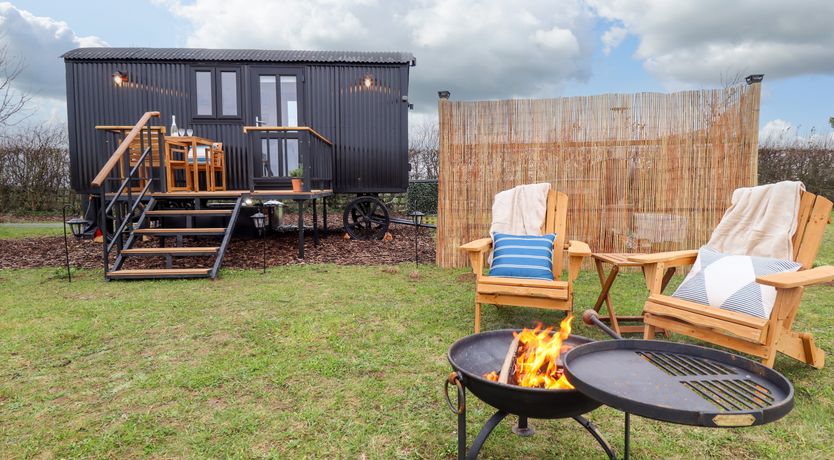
(422, 196)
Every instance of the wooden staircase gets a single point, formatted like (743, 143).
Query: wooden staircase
(170, 226)
(130, 210)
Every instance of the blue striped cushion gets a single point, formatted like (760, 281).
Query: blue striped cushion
(521, 256)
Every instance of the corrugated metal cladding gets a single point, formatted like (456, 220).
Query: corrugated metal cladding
(369, 126)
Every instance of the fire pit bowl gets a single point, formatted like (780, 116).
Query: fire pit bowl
(473, 356)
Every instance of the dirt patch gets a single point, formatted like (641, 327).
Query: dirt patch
(279, 249)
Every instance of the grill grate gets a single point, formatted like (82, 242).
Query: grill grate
(738, 394)
(682, 365)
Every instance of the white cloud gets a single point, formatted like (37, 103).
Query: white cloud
(779, 132)
(702, 41)
(476, 49)
(612, 38)
(37, 43)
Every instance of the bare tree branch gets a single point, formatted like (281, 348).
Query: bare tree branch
(13, 103)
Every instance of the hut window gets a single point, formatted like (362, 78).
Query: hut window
(289, 101)
(228, 93)
(204, 93)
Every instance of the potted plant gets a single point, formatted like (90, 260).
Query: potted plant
(296, 175)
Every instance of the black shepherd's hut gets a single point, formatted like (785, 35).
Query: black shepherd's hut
(358, 100)
(340, 117)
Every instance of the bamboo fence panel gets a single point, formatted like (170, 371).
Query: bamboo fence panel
(644, 172)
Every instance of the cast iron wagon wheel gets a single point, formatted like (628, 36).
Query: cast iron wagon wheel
(366, 218)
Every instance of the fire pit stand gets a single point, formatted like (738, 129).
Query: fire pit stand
(521, 428)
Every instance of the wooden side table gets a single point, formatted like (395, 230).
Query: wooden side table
(618, 260)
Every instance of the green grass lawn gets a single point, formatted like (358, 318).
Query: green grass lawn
(313, 361)
(30, 230)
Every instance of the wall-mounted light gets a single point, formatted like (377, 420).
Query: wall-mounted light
(444, 94)
(120, 78)
(368, 81)
(755, 78)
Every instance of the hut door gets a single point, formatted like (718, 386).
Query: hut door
(276, 101)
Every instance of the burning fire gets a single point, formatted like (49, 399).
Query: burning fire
(536, 364)
(537, 357)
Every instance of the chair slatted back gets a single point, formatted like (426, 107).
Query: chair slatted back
(555, 221)
(814, 215)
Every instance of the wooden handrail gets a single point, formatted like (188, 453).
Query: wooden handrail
(121, 128)
(117, 155)
(247, 129)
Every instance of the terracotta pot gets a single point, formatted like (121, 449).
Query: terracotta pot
(296, 184)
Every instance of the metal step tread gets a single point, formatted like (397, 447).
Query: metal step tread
(160, 273)
(190, 212)
(194, 250)
(182, 231)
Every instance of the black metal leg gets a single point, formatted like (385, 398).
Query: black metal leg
(598, 436)
(522, 429)
(300, 229)
(462, 426)
(483, 434)
(324, 216)
(627, 437)
(315, 225)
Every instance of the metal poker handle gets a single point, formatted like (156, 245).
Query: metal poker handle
(591, 318)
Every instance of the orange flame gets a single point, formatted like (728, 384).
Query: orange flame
(536, 364)
(491, 376)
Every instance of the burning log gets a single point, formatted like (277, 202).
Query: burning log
(506, 369)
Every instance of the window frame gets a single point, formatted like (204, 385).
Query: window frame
(217, 92)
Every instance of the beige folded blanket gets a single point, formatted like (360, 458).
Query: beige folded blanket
(760, 222)
(520, 210)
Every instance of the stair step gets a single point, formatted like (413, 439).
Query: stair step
(190, 251)
(181, 231)
(160, 273)
(190, 212)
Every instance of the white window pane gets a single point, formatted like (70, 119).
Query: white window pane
(289, 101)
(228, 93)
(269, 108)
(204, 97)
(271, 158)
(291, 148)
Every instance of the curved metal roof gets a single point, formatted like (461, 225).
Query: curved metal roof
(205, 54)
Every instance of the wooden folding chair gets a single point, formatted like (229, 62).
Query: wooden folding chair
(761, 337)
(552, 295)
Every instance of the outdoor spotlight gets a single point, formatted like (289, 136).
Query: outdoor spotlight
(368, 81)
(755, 78)
(444, 94)
(76, 226)
(119, 78)
(248, 202)
(259, 219)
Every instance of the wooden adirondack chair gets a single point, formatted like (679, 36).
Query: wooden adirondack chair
(554, 295)
(761, 337)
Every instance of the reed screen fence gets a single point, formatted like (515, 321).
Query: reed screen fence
(643, 172)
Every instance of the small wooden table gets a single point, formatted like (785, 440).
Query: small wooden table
(186, 146)
(618, 260)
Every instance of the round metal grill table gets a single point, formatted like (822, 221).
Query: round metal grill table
(678, 383)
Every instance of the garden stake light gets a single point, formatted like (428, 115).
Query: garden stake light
(259, 220)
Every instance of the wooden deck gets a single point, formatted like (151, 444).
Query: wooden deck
(259, 194)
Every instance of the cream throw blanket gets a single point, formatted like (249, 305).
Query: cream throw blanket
(520, 210)
(760, 222)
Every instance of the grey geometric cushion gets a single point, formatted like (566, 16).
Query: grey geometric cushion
(729, 282)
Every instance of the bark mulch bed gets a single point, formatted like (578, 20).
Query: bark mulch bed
(281, 249)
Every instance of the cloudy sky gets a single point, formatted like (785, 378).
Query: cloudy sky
(477, 49)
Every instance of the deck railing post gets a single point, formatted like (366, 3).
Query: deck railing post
(102, 225)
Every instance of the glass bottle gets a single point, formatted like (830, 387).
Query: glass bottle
(174, 125)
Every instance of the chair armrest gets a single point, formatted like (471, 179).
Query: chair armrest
(578, 249)
(789, 280)
(669, 259)
(480, 245)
